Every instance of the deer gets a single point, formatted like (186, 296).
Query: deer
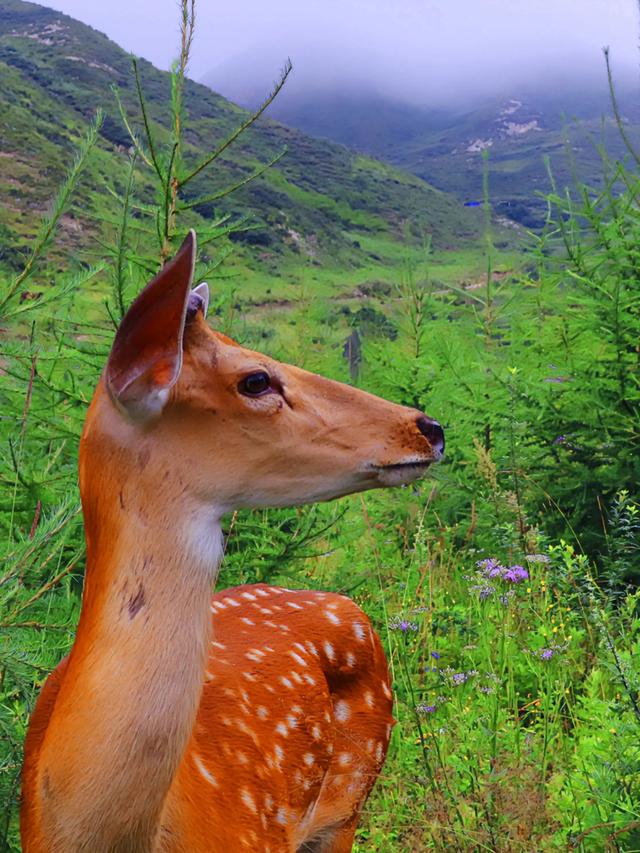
(253, 719)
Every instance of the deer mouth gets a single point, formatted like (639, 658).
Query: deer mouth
(402, 473)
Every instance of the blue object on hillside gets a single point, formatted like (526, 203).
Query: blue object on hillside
(473, 204)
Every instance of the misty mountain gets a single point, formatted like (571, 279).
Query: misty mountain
(320, 201)
(445, 144)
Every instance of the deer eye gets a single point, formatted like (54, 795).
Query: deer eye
(255, 384)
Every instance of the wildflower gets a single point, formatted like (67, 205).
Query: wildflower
(484, 591)
(537, 558)
(403, 625)
(435, 655)
(516, 574)
(423, 708)
(546, 654)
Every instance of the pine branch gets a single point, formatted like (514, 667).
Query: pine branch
(241, 129)
(228, 190)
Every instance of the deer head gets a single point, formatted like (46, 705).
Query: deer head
(235, 427)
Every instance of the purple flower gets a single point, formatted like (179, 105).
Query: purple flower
(423, 708)
(435, 655)
(489, 565)
(403, 625)
(516, 574)
(546, 654)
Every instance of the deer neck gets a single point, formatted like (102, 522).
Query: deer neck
(128, 702)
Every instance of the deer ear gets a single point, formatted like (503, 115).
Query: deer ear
(146, 356)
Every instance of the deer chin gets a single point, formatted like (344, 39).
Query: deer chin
(402, 473)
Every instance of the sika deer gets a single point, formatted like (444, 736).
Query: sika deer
(260, 719)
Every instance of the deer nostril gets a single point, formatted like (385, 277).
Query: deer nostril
(433, 432)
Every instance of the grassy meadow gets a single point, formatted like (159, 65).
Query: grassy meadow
(505, 586)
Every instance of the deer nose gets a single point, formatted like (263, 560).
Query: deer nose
(433, 432)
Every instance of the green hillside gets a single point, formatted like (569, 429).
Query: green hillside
(321, 203)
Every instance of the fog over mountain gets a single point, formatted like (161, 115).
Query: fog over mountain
(427, 52)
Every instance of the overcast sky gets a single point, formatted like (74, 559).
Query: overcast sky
(418, 49)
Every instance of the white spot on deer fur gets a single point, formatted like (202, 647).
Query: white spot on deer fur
(268, 802)
(370, 746)
(248, 800)
(351, 659)
(249, 676)
(286, 682)
(358, 630)
(211, 779)
(291, 720)
(296, 676)
(298, 659)
(281, 816)
(276, 590)
(379, 751)
(218, 645)
(329, 749)
(309, 601)
(388, 731)
(232, 601)
(262, 712)
(341, 711)
(308, 759)
(294, 606)
(312, 648)
(282, 730)
(332, 605)
(248, 595)
(385, 690)
(225, 721)
(316, 733)
(278, 751)
(284, 628)
(368, 698)
(209, 676)
(248, 621)
(262, 593)
(218, 606)
(271, 624)
(266, 611)
(327, 716)
(268, 648)
(255, 654)
(332, 617)
(296, 709)
(242, 757)
(328, 650)
(310, 680)
(344, 759)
